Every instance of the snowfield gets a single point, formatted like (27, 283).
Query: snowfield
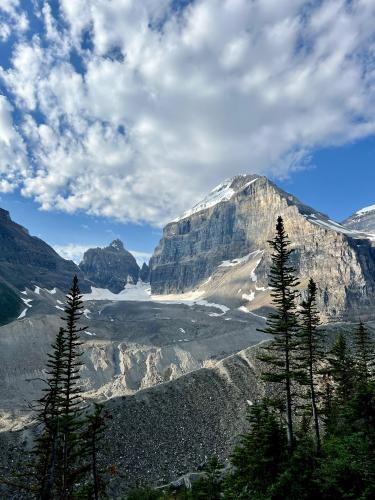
(141, 292)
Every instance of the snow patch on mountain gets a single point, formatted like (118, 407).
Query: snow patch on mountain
(249, 297)
(246, 310)
(335, 226)
(242, 260)
(366, 210)
(222, 192)
(23, 313)
(138, 292)
(27, 301)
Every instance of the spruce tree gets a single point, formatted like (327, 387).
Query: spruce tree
(310, 352)
(260, 456)
(72, 405)
(282, 323)
(364, 354)
(60, 464)
(342, 370)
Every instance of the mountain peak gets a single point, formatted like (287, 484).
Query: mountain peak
(366, 210)
(112, 267)
(362, 220)
(117, 244)
(222, 192)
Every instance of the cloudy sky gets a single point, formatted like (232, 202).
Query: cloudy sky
(117, 115)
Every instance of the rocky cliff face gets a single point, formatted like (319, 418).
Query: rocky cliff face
(27, 261)
(221, 246)
(111, 267)
(363, 220)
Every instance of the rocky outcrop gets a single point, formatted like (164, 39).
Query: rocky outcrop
(111, 267)
(363, 220)
(27, 261)
(144, 274)
(232, 226)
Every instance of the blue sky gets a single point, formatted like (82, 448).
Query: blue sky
(117, 116)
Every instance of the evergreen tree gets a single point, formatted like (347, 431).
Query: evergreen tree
(72, 406)
(328, 408)
(282, 323)
(260, 456)
(59, 452)
(342, 370)
(310, 352)
(364, 354)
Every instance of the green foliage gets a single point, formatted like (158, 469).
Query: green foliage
(364, 354)
(341, 369)
(260, 456)
(47, 449)
(347, 468)
(65, 452)
(334, 459)
(309, 355)
(296, 479)
(144, 494)
(282, 323)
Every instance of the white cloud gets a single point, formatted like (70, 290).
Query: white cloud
(74, 252)
(13, 165)
(159, 116)
(71, 251)
(141, 257)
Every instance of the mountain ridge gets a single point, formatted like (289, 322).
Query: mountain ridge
(28, 261)
(195, 245)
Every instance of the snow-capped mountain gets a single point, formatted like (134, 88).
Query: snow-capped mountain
(363, 220)
(233, 225)
(222, 192)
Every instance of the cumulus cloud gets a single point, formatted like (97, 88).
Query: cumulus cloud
(71, 251)
(74, 252)
(13, 162)
(133, 110)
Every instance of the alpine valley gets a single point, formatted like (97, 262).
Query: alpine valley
(169, 344)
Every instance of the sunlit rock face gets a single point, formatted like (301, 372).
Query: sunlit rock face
(112, 267)
(235, 222)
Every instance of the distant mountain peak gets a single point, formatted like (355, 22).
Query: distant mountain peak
(117, 244)
(362, 220)
(112, 267)
(366, 210)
